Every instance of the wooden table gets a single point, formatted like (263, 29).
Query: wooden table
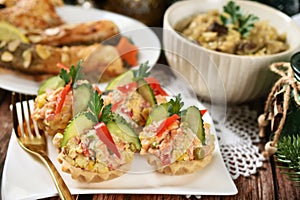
(268, 183)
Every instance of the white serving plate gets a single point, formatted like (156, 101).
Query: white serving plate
(33, 181)
(149, 49)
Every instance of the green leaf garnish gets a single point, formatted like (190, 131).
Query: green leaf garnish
(247, 24)
(65, 76)
(95, 106)
(141, 72)
(234, 16)
(107, 114)
(97, 112)
(74, 74)
(174, 106)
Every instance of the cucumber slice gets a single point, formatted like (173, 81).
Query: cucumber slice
(194, 121)
(123, 79)
(145, 90)
(81, 97)
(51, 83)
(77, 126)
(159, 113)
(124, 132)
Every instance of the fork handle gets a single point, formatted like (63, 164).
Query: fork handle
(63, 190)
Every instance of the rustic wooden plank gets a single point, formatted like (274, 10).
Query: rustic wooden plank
(259, 186)
(3, 94)
(5, 127)
(286, 188)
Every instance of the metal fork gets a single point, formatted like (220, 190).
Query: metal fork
(33, 140)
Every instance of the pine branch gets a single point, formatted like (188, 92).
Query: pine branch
(288, 157)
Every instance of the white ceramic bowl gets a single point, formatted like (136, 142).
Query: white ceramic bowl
(218, 76)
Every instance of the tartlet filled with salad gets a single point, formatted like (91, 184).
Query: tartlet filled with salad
(59, 98)
(134, 94)
(97, 145)
(176, 141)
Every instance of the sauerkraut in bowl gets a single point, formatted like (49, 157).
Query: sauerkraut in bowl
(231, 30)
(220, 73)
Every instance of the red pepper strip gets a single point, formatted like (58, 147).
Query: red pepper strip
(61, 98)
(97, 89)
(105, 136)
(155, 85)
(164, 126)
(128, 87)
(203, 112)
(62, 66)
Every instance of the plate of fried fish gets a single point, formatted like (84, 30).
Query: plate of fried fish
(106, 43)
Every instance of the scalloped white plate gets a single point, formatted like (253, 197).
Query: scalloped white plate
(149, 48)
(33, 180)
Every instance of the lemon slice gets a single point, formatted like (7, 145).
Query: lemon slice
(10, 32)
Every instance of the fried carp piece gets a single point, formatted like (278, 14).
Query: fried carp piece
(8, 3)
(32, 14)
(75, 34)
(38, 60)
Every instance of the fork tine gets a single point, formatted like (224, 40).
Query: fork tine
(14, 113)
(36, 129)
(30, 105)
(25, 117)
(22, 120)
(21, 116)
(17, 117)
(29, 120)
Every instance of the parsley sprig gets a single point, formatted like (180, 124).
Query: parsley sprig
(97, 111)
(233, 15)
(107, 114)
(73, 74)
(174, 106)
(141, 72)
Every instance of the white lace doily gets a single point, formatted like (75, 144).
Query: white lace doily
(238, 136)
